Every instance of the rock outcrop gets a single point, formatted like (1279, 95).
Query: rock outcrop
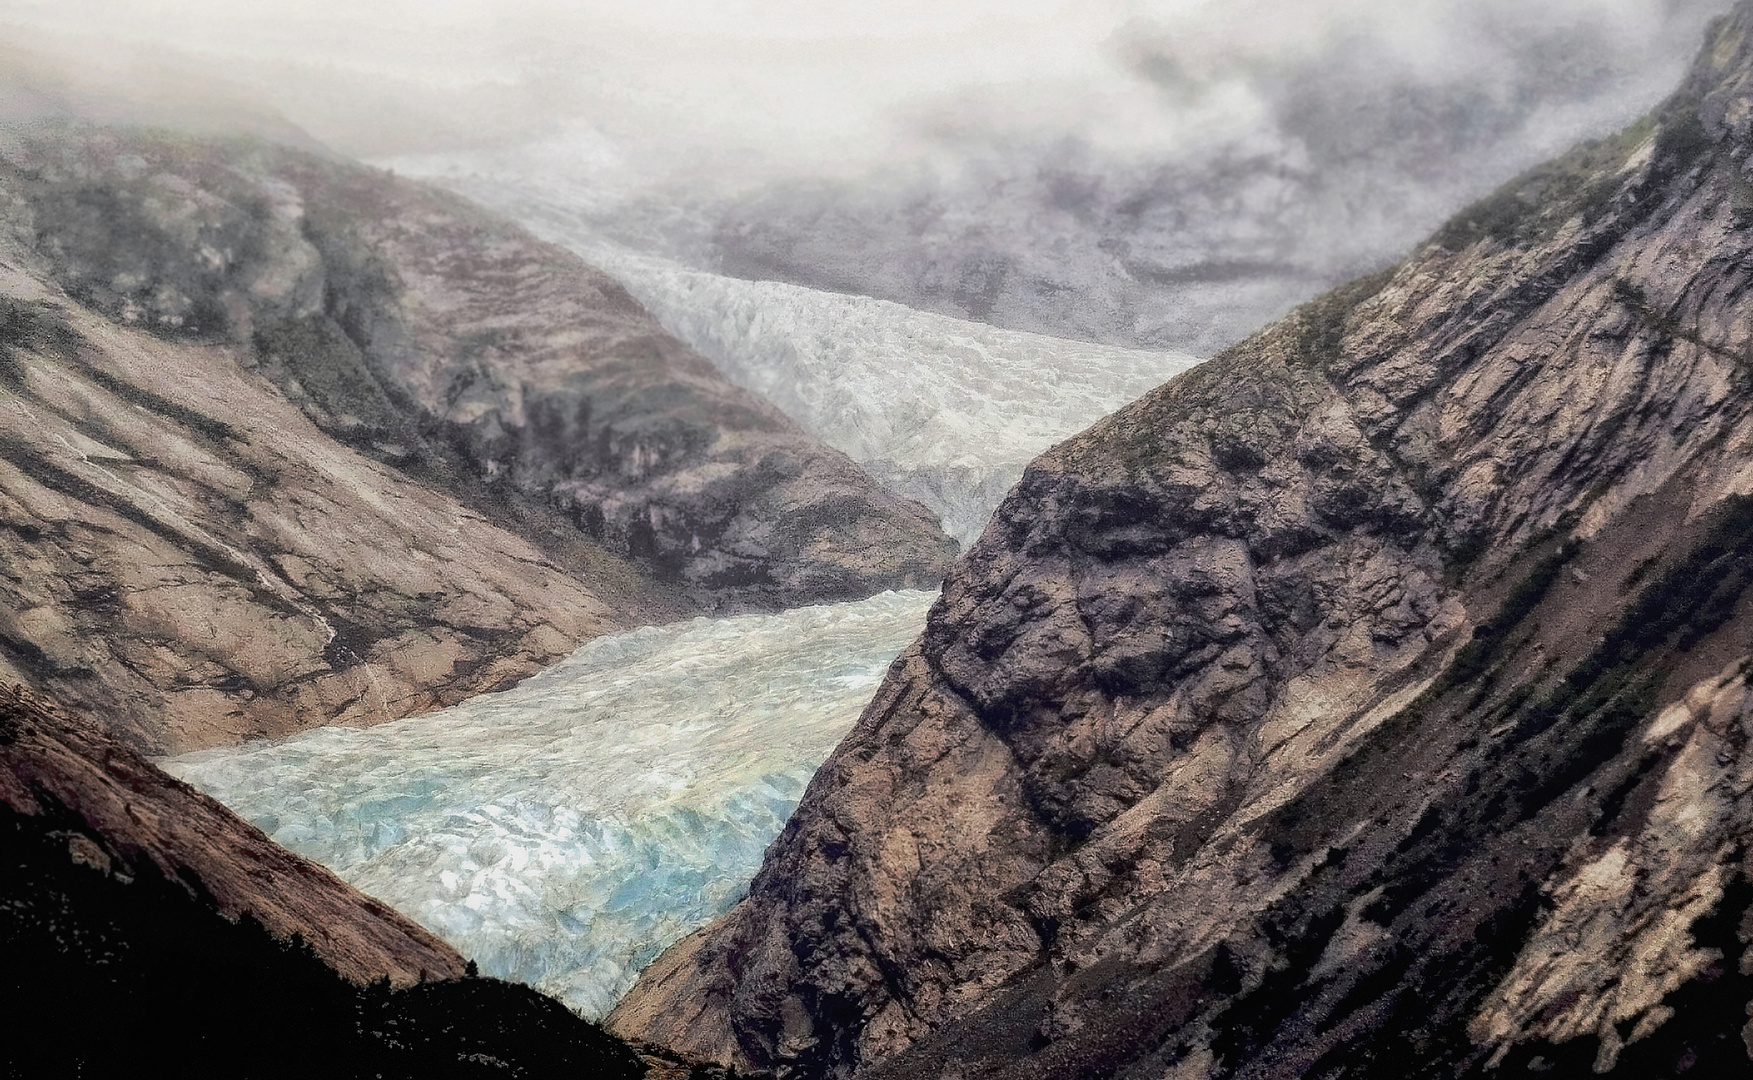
(288, 441)
(1371, 701)
(148, 928)
(124, 820)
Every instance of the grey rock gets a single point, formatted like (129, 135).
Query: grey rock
(1365, 702)
(289, 442)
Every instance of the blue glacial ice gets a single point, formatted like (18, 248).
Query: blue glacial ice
(566, 831)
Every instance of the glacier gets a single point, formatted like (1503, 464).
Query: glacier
(564, 832)
(942, 410)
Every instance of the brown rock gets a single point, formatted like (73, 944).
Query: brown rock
(124, 818)
(439, 338)
(215, 568)
(1298, 719)
(286, 441)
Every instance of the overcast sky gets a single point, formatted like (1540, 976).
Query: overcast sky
(737, 87)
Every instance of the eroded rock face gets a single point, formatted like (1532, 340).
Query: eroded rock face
(439, 338)
(209, 566)
(124, 819)
(1368, 701)
(289, 442)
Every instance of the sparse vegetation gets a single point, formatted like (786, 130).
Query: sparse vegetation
(334, 374)
(1490, 638)
(1532, 207)
(1551, 743)
(1638, 302)
(1321, 323)
(32, 327)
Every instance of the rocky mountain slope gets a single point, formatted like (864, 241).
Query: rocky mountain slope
(1370, 701)
(941, 410)
(122, 818)
(289, 441)
(146, 927)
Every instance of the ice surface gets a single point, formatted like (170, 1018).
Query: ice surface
(940, 409)
(564, 832)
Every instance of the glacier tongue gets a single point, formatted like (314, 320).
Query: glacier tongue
(939, 409)
(565, 831)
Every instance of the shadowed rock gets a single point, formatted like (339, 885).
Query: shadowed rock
(289, 441)
(124, 819)
(1369, 701)
(145, 923)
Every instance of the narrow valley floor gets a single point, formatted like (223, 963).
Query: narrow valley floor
(564, 832)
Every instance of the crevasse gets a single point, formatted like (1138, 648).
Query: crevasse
(564, 832)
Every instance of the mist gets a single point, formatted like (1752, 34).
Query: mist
(1160, 173)
(680, 86)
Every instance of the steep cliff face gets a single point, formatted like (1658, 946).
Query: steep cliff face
(1369, 701)
(188, 556)
(288, 441)
(437, 337)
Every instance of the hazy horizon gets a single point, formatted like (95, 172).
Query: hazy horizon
(1145, 173)
(765, 87)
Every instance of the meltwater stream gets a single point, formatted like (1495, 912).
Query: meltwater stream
(564, 832)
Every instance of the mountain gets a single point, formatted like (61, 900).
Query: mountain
(1370, 701)
(290, 441)
(115, 814)
(1236, 161)
(147, 927)
(941, 410)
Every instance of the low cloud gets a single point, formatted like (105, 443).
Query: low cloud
(1143, 172)
(833, 86)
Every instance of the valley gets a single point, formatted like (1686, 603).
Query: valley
(563, 832)
(448, 627)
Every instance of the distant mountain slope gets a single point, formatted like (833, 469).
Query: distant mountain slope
(939, 409)
(1370, 701)
(1241, 158)
(289, 441)
(436, 336)
(148, 929)
(187, 553)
